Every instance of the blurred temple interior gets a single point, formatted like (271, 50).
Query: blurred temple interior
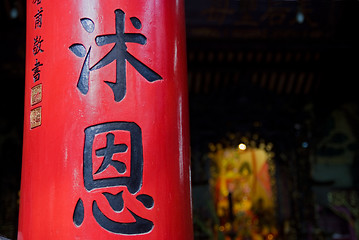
(274, 117)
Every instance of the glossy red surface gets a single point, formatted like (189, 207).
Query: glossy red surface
(53, 170)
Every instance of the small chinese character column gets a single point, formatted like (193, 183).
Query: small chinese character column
(106, 131)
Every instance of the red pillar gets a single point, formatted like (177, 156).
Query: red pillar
(106, 135)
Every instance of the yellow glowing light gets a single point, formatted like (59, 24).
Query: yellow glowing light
(242, 146)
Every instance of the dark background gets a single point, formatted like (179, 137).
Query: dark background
(286, 71)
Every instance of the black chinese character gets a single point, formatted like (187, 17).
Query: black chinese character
(36, 71)
(118, 52)
(38, 18)
(37, 45)
(133, 182)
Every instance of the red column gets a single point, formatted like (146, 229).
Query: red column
(106, 135)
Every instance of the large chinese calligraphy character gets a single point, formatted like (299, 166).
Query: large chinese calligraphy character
(115, 144)
(118, 53)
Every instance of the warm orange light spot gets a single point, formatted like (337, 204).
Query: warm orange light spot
(242, 146)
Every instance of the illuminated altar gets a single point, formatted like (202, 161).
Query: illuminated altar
(243, 188)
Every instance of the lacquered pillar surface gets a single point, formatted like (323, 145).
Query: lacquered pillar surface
(106, 135)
